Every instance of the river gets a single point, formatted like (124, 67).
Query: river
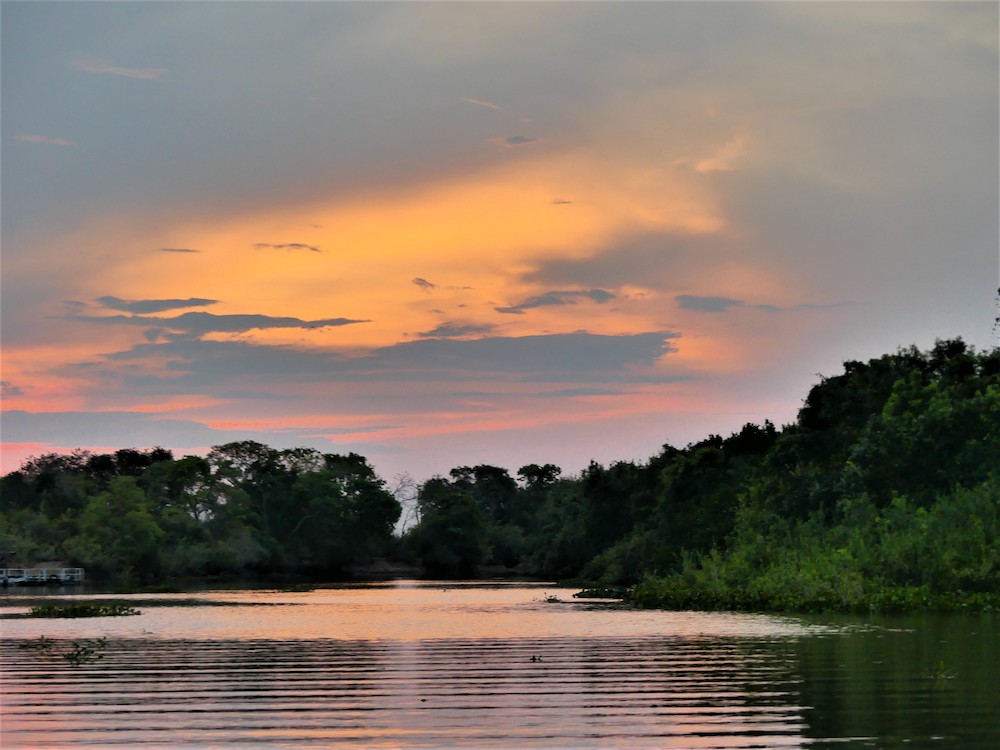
(412, 664)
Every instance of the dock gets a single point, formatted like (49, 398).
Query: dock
(40, 576)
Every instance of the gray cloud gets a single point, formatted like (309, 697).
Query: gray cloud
(196, 366)
(649, 260)
(199, 323)
(527, 357)
(287, 246)
(724, 304)
(137, 429)
(428, 286)
(812, 306)
(452, 330)
(128, 428)
(558, 393)
(512, 141)
(8, 389)
(144, 306)
(557, 298)
(178, 250)
(707, 304)
(578, 392)
(259, 396)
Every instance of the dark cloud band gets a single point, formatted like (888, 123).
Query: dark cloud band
(287, 246)
(199, 323)
(453, 330)
(146, 306)
(571, 357)
(558, 298)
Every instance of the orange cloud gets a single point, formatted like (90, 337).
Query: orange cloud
(472, 235)
(471, 238)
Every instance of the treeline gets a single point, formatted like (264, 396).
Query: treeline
(243, 510)
(884, 493)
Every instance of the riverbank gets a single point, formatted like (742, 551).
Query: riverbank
(681, 593)
(379, 570)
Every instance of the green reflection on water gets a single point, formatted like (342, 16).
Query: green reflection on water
(905, 681)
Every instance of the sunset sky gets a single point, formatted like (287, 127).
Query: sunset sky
(443, 234)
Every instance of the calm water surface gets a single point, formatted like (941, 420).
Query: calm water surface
(410, 664)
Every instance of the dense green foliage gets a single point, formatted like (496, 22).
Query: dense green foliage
(245, 509)
(610, 524)
(884, 494)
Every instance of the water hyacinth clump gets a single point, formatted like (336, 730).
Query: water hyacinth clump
(82, 610)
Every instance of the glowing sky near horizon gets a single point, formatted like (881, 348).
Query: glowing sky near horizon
(443, 234)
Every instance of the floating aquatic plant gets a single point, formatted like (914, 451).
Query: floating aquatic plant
(82, 610)
(75, 652)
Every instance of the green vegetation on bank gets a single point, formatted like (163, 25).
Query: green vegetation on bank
(883, 495)
(902, 557)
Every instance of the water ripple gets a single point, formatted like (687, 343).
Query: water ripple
(543, 692)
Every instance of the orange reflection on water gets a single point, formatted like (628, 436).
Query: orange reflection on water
(404, 664)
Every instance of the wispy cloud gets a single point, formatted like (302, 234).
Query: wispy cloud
(557, 298)
(645, 259)
(8, 389)
(480, 102)
(178, 250)
(725, 158)
(813, 306)
(259, 396)
(144, 429)
(725, 304)
(145, 306)
(580, 392)
(429, 286)
(200, 323)
(287, 246)
(44, 139)
(453, 330)
(707, 304)
(101, 67)
(512, 141)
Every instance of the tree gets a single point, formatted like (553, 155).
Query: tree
(118, 535)
(450, 540)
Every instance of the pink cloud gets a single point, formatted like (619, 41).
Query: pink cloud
(45, 140)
